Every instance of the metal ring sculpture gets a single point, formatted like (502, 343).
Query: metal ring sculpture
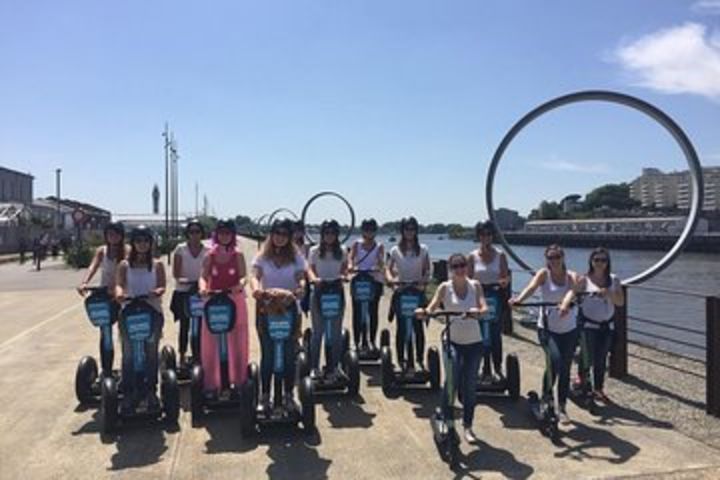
(271, 217)
(259, 223)
(621, 99)
(332, 194)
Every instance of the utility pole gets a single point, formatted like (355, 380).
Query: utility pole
(175, 188)
(166, 134)
(197, 211)
(58, 217)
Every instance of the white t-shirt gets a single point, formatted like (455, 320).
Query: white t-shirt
(191, 266)
(463, 330)
(554, 293)
(279, 277)
(327, 267)
(486, 273)
(409, 267)
(597, 308)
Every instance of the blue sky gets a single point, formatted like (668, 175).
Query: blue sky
(398, 105)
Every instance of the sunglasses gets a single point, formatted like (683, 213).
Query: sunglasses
(224, 232)
(282, 233)
(600, 259)
(194, 231)
(457, 266)
(142, 240)
(554, 257)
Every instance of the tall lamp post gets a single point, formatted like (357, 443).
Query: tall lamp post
(166, 237)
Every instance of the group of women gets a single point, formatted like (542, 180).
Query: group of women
(285, 269)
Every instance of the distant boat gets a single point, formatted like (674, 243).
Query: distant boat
(392, 239)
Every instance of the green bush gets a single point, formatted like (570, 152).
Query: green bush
(79, 256)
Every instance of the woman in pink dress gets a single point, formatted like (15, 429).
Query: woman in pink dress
(224, 269)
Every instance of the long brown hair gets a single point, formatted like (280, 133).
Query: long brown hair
(280, 255)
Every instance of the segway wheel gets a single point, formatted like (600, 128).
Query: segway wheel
(306, 338)
(307, 401)
(352, 365)
(387, 371)
(248, 413)
(108, 405)
(254, 375)
(302, 366)
(345, 342)
(433, 361)
(512, 370)
(170, 392)
(385, 338)
(196, 394)
(167, 359)
(85, 376)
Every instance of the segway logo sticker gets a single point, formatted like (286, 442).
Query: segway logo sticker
(138, 326)
(363, 291)
(330, 305)
(197, 308)
(99, 314)
(219, 318)
(279, 326)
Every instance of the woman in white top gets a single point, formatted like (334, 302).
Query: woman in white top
(106, 259)
(188, 260)
(596, 315)
(367, 255)
(327, 263)
(409, 264)
(462, 294)
(141, 275)
(278, 281)
(489, 266)
(557, 326)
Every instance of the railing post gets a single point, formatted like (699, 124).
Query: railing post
(619, 354)
(712, 334)
(506, 311)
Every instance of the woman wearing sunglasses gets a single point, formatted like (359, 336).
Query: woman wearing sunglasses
(462, 294)
(188, 259)
(596, 314)
(408, 266)
(488, 265)
(557, 326)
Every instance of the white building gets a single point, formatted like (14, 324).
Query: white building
(656, 189)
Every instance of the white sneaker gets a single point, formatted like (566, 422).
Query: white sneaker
(470, 436)
(563, 416)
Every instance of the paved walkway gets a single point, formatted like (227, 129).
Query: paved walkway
(43, 333)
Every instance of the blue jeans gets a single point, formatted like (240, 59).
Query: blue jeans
(318, 333)
(466, 361)
(559, 350)
(595, 345)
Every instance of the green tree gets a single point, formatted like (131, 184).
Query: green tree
(614, 196)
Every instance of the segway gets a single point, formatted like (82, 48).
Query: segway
(362, 290)
(219, 314)
(409, 298)
(446, 437)
(509, 384)
(138, 322)
(329, 295)
(280, 329)
(581, 393)
(99, 309)
(195, 310)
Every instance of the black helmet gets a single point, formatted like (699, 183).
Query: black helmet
(408, 222)
(226, 223)
(282, 224)
(141, 231)
(116, 227)
(369, 224)
(486, 226)
(330, 226)
(298, 226)
(194, 222)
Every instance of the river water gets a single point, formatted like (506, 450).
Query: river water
(697, 273)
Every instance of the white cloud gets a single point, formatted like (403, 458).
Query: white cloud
(683, 59)
(711, 7)
(565, 166)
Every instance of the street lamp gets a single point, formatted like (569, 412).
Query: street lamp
(58, 218)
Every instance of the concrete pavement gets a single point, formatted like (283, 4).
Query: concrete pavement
(44, 332)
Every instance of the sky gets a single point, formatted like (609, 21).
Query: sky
(399, 106)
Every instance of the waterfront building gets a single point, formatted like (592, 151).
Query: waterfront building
(639, 225)
(656, 189)
(508, 220)
(15, 187)
(711, 199)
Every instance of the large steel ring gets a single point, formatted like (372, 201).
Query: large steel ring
(287, 211)
(332, 194)
(653, 112)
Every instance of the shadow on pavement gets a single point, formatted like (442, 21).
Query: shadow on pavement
(223, 427)
(654, 389)
(346, 412)
(423, 400)
(607, 445)
(614, 414)
(483, 457)
(138, 446)
(293, 455)
(513, 415)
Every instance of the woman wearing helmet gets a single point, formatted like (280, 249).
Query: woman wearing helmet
(188, 259)
(367, 255)
(107, 257)
(224, 269)
(488, 265)
(278, 282)
(327, 263)
(409, 263)
(138, 275)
